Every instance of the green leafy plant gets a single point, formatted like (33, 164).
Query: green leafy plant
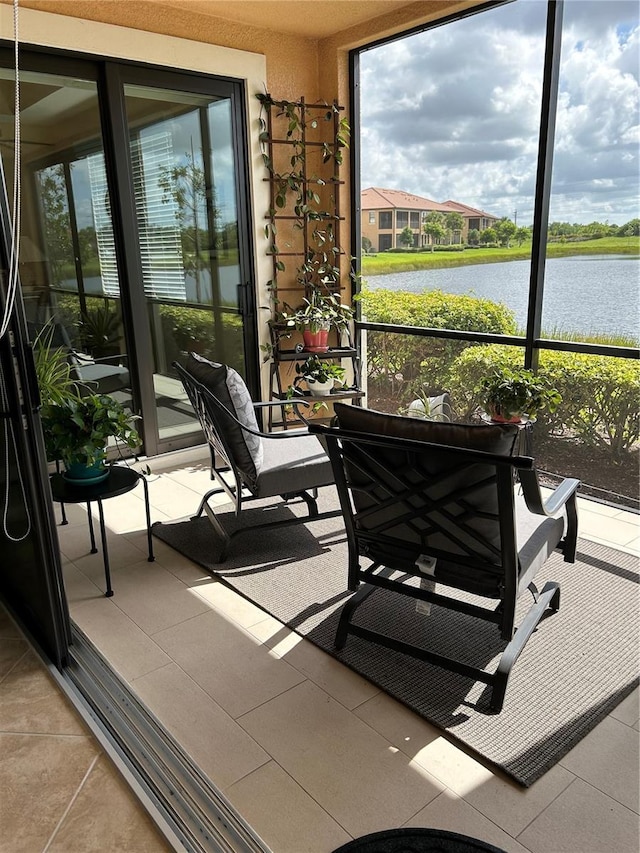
(100, 332)
(318, 370)
(76, 429)
(508, 393)
(319, 311)
(53, 370)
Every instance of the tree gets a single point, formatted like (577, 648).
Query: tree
(630, 229)
(473, 237)
(406, 237)
(488, 236)
(522, 235)
(453, 222)
(52, 189)
(186, 186)
(433, 227)
(367, 245)
(505, 230)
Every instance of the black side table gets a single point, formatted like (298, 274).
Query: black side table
(119, 482)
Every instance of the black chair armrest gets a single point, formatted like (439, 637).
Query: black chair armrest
(564, 495)
(260, 433)
(556, 500)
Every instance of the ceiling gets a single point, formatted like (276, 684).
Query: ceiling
(309, 18)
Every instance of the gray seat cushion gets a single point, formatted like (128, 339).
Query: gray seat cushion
(292, 464)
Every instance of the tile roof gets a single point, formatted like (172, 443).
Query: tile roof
(376, 198)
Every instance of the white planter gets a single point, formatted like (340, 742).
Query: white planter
(320, 389)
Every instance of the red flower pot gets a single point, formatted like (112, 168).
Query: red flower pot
(316, 341)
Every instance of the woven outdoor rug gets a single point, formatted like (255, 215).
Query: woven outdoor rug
(578, 665)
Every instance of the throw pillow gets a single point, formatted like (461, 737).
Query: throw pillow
(229, 388)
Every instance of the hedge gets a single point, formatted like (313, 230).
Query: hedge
(405, 364)
(600, 395)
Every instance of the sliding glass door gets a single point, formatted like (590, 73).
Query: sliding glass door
(184, 180)
(134, 234)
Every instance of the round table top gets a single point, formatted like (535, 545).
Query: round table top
(120, 481)
(417, 840)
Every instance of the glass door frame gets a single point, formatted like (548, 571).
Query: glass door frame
(110, 77)
(120, 177)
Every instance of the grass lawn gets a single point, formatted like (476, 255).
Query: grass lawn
(386, 263)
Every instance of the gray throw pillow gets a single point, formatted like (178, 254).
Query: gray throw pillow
(229, 388)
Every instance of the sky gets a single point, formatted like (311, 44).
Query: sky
(454, 112)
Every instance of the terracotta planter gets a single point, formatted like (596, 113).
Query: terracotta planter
(316, 341)
(499, 419)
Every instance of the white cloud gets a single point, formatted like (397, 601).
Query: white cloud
(454, 112)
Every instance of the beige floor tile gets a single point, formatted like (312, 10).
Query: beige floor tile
(227, 662)
(153, 598)
(340, 682)
(219, 746)
(39, 775)
(583, 820)
(504, 802)
(616, 531)
(356, 775)
(451, 813)
(78, 586)
(285, 817)
(8, 628)
(105, 817)
(609, 759)
(628, 711)
(126, 647)
(634, 546)
(11, 650)
(588, 505)
(226, 601)
(30, 701)
(122, 552)
(179, 566)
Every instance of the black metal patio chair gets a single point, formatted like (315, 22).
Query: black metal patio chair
(437, 502)
(246, 463)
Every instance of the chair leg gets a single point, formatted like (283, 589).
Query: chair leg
(570, 541)
(226, 539)
(548, 597)
(348, 611)
(203, 503)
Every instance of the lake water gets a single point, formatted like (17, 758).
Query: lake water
(597, 294)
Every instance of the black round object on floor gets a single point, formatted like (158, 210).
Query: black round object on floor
(408, 840)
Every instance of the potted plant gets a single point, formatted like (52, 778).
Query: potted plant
(510, 394)
(76, 430)
(320, 376)
(318, 313)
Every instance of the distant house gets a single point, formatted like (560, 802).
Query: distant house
(386, 213)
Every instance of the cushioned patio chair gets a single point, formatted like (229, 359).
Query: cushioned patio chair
(248, 464)
(437, 502)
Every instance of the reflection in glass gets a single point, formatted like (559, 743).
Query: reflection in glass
(67, 255)
(184, 186)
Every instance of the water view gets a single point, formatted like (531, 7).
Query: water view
(590, 294)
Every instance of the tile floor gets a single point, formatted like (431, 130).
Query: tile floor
(307, 751)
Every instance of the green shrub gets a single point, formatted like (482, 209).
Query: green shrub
(409, 362)
(470, 368)
(600, 395)
(600, 399)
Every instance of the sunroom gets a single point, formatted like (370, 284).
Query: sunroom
(146, 231)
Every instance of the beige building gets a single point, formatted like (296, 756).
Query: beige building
(386, 213)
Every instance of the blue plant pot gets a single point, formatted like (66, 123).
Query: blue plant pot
(85, 475)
